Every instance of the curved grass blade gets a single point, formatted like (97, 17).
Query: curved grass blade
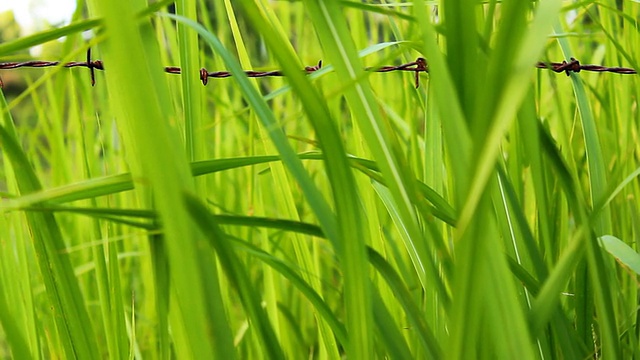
(377, 9)
(56, 33)
(12, 330)
(140, 98)
(388, 331)
(46, 36)
(119, 216)
(414, 313)
(309, 293)
(238, 277)
(601, 204)
(71, 317)
(112, 184)
(392, 208)
(621, 251)
(314, 197)
(599, 273)
(337, 42)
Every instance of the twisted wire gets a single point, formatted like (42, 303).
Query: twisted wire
(417, 67)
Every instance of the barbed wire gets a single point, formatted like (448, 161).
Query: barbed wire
(575, 66)
(417, 67)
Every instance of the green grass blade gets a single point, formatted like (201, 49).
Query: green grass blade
(191, 88)
(621, 251)
(389, 333)
(72, 321)
(17, 343)
(45, 36)
(414, 313)
(598, 186)
(548, 297)
(343, 187)
(238, 278)
(156, 154)
(317, 202)
(512, 93)
(339, 46)
(320, 305)
(394, 212)
(455, 131)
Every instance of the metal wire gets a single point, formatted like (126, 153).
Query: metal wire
(417, 67)
(575, 66)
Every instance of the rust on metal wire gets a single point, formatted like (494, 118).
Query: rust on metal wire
(575, 66)
(417, 67)
(91, 65)
(205, 74)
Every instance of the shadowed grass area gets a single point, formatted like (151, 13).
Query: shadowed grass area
(490, 213)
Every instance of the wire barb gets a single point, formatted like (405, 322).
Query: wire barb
(575, 66)
(205, 74)
(417, 67)
(91, 65)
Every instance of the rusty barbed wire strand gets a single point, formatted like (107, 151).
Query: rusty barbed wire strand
(417, 67)
(92, 65)
(575, 66)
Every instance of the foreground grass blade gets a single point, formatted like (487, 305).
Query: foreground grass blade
(155, 151)
(238, 278)
(489, 115)
(599, 273)
(113, 184)
(191, 87)
(493, 211)
(622, 252)
(317, 202)
(414, 313)
(336, 40)
(13, 330)
(71, 318)
(349, 221)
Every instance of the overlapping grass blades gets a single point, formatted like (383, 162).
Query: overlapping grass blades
(77, 340)
(155, 153)
(488, 214)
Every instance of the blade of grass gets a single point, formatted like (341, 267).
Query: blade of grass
(339, 46)
(317, 202)
(238, 277)
(414, 313)
(513, 93)
(191, 87)
(56, 33)
(347, 211)
(113, 184)
(13, 331)
(72, 321)
(456, 134)
(140, 96)
(598, 187)
(621, 251)
(388, 331)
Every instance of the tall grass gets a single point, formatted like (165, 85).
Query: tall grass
(491, 213)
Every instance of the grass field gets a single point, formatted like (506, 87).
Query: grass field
(492, 212)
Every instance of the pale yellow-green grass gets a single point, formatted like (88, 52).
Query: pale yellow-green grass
(490, 213)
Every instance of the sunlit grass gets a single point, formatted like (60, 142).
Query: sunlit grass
(490, 213)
